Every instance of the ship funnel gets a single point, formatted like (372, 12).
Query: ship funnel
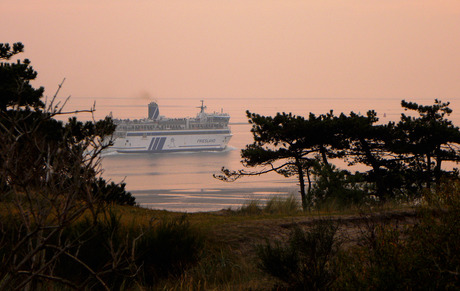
(154, 111)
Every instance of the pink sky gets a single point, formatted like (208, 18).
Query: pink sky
(241, 48)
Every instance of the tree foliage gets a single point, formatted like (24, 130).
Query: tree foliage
(49, 177)
(427, 140)
(286, 144)
(15, 78)
(399, 158)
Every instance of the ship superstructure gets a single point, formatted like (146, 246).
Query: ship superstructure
(158, 134)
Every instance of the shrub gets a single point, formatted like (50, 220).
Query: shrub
(384, 260)
(117, 255)
(423, 256)
(340, 186)
(102, 257)
(307, 261)
(112, 193)
(434, 242)
(167, 249)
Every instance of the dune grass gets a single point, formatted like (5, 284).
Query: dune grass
(278, 205)
(218, 250)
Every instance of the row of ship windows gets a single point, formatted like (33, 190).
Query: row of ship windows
(149, 127)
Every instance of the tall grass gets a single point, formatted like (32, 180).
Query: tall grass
(282, 205)
(251, 207)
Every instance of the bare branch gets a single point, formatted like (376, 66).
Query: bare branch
(230, 176)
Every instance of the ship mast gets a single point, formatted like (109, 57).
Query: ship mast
(202, 106)
(202, 114)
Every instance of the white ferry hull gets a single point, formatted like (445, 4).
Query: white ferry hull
(172, 141)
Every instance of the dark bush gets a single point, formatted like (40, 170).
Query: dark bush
(308, 261)
(424, 256)
(434, 243)
(384, 259)
(167, 249)
(119, 255)
(101, 255)
(339, 186)
(113, 193)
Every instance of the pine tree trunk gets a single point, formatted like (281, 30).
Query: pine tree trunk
(303, 195)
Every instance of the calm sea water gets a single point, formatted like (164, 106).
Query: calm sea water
(184, 181)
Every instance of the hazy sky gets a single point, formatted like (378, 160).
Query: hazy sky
(240, 48)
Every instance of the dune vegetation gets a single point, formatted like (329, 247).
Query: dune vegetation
(63, 227)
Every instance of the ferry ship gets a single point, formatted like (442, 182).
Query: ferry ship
(158, 134)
